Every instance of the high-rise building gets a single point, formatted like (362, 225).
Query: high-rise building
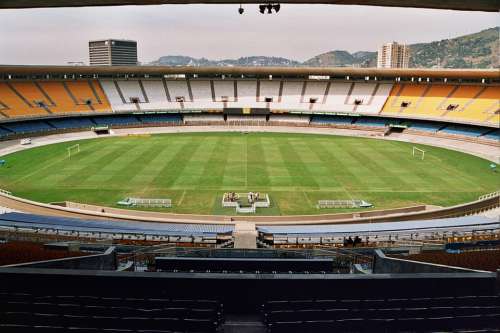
(113, 52)
(393, 55)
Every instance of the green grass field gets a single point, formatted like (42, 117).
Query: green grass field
(297, 170)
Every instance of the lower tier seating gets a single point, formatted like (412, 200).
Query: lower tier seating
(388, 315)
(22, 312)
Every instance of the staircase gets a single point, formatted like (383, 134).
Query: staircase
(244, 323)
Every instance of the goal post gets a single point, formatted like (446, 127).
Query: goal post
(418, 152)
(72, 150)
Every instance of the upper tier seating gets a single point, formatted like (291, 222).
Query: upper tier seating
(39, 98)
(469, 103)
(450, 102)
(16, 105)
(62, 101)
(90, 90)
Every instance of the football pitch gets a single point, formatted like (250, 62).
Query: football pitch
(296, 170)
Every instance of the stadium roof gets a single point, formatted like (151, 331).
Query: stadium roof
(16, 70)
(476, 5)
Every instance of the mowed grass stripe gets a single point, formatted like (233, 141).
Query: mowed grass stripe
(395, 162)
(256, 163)
(376, 167)
(189, 176)
(137, 164)
(424, 175)
(319, 170)
(296, 168)
(278, 175)
(213, 171)
(171, 170)
(331, 161)
(353, 174)
(155, 166)
(106, 157)
(236, 169)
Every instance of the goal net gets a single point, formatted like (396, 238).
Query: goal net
(418, 152)
(73, 150)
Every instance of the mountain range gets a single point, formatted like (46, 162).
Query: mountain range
(478, 50)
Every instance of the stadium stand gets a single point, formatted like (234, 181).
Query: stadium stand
(28, 127)
(371, 122)
(170, 232)
(492, 135)
(88, 91)
(71, 123)
(425, 126)
(468, 103)
(114, 120)
(116, 99)
(269, 91)
(292, 95)
(223, 90)
(465, 131)
(336, 98)
(199, 119)
(157, 96)
(17, 105)
(378, 232)
(63, 103)
(246, 93)
(393, 315)
(203, 95)
(160, 119)
(338, 120)
(48, 312)
(289, 119)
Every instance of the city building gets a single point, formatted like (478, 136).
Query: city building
(393, 55)
(113, 52)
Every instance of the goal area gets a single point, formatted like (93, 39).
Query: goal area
(418, 152)
(75, 149)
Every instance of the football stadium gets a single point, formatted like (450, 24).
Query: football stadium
(249, 199)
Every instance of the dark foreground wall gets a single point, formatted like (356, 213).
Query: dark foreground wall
(387, 265)
(102, 261)
(244, 292)
(243, 264)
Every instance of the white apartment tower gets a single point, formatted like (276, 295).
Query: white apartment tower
(393, 55)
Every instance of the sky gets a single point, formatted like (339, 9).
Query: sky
(60, 35)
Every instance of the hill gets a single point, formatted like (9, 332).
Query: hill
(478, 50)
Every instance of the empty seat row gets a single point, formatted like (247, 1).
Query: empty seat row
(107, 322)
(434, 324)
(93, 310)
(144, 303)
(459, 301)
(339, 314)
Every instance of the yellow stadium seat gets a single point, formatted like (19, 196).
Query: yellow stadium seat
(89, 90)
(15, 105)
